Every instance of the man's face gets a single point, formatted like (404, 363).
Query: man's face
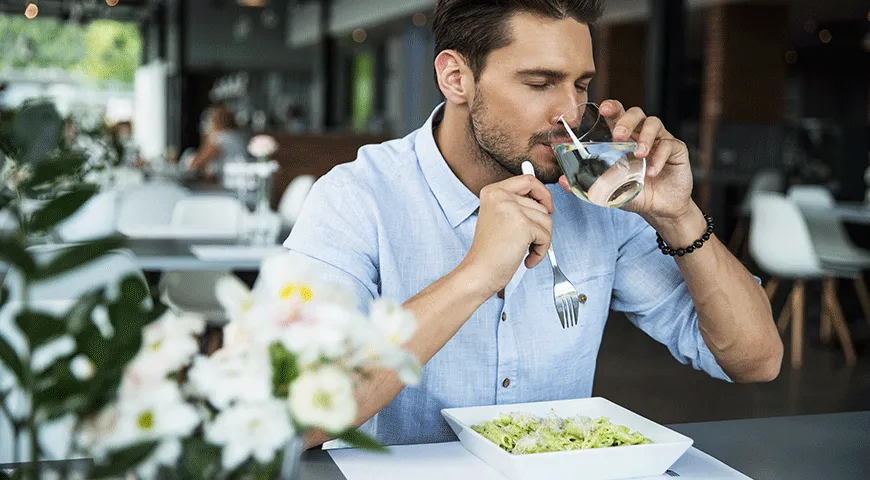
(525, 87)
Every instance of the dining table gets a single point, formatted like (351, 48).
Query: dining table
(805, 447)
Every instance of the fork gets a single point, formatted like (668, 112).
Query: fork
(564, 294)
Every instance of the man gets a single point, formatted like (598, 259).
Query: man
(443, 219)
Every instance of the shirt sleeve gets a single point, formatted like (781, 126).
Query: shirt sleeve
(335, 230)
(649, 288)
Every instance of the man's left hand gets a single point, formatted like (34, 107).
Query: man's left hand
(667, 190)
(666, 200)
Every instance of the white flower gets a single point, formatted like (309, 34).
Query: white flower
(168, 344)
(322, 332)
(94, 433)
(166, 454)
(161, 414)
(396, 323)
(237, 336)
(234, 296)
(230, 375)
(376, 351)
(250, 429)
(323, 398)
(262, 146)
(81, 367)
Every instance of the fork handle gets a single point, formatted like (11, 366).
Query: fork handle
(552, 256)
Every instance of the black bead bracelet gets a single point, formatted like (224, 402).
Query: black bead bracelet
(666, 250)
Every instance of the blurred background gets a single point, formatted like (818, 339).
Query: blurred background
(770, 96)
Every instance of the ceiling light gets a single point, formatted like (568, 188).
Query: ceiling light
(31, 11)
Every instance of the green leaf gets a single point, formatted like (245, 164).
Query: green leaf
(78, 255)
(122, 461)
(59, 209)
(50, 169)
(4, 295)
(284, 369)
(134, 291)
(12, 251)
(80, 315)
(39, 328)
(37, 127)
(5, 198)
(199, 460)
(361, 440)
(10, 360)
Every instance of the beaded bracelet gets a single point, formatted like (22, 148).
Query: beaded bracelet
(666, 250)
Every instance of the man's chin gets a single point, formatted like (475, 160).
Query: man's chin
(546, 167)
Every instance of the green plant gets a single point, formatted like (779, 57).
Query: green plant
(36, 164)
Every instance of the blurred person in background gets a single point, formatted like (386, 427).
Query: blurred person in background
(223, 142)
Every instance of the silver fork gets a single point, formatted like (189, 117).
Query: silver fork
(564, 294)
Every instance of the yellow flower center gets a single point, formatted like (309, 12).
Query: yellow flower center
(322, 400)
(247, 304)
(156, 345)
(145, 421)
(304, 292)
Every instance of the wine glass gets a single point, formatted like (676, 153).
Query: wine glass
(599, 170)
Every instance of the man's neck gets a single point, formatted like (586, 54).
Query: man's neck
(462, 153)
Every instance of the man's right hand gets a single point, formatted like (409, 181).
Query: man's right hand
(513, 224)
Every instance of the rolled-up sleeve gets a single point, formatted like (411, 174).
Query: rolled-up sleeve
(341, 236)
(649, 288)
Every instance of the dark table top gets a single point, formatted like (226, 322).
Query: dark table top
(832, 446)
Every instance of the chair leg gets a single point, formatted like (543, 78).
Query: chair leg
(771, 288)
(829, 287)
(839, 322)
(863, 296)
(738, 237)
(785, 315)
(797, 328)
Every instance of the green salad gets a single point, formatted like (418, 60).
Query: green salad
(521, 433)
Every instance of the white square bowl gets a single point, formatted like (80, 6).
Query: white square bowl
(593, 464)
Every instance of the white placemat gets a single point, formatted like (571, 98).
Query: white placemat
(235, 252)
(451, 460)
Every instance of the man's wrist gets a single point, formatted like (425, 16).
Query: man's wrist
(473, 281)
(683, 230)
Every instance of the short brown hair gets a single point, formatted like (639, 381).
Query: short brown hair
(474, 28)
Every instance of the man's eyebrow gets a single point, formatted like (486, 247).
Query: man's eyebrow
(552, 74)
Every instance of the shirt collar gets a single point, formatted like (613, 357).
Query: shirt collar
(455, 199)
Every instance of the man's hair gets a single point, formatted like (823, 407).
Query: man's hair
(475, 28)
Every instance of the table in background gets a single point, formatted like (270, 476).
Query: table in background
(156, 255)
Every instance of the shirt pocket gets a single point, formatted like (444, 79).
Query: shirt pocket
(594, 293)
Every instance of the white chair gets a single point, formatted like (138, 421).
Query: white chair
(194, 291)
(763, 181)
(220, 214)
(832, 242)
(146, 206)
(55, 296)
(294, 197)
(95, 219)
(780, 244)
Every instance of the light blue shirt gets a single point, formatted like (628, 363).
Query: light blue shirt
(397, 219)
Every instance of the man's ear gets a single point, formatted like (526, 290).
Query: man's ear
(455, 79)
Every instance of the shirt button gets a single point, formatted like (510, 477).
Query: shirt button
(583, 298)
(503, 316)
(506, 383)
